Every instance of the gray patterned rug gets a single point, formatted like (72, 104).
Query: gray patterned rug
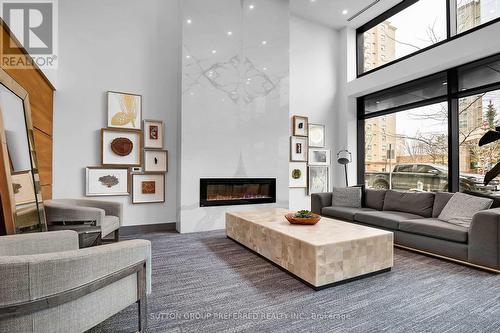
(207, 283)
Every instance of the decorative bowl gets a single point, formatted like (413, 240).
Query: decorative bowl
(303, 221)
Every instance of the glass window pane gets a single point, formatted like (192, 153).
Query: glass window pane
(471, 13)
(414, 28)
(408, 150)
(479, 74)
(416, 91)
(478, 114)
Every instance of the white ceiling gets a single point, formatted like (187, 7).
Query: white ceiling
(329, 12)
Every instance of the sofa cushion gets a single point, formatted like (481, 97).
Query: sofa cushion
(435, 228)
(346, 197)
(375, 199)
(345, 213)
(462, 207)
(385, 219)
(407, 202)
(440, 200)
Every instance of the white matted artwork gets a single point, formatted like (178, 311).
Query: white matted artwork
(120, 147)
(298, 175)
(155, 160)
(154, 133)
(24, 189)
(107, 181)
(300, 126)
(298, 149)
(316, 136)
(318, 179)
(148, 188)
(318, 156)
(124, 110)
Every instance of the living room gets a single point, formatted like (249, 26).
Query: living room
(252, 165)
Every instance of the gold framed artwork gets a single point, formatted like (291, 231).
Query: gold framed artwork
(300, 126)
(121, 147)
(154, 133)
(23, 187)
(148, 188)
(124, 110)
(297, 175)
(155, 160)
(298, 149)
(102, 181)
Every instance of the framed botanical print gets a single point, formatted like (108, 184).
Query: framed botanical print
(124, 110)
(23, 187)
(154, 133)
(155, 160)
(120, 147)
(298, 175)
(318, 179)
(300, 126)
(298, 149)
(316, 136)
(319, 156)
(101, 181)
(148, 188)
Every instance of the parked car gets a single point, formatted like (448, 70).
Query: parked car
(427, 177)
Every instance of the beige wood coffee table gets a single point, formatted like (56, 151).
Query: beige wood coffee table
(323, 255)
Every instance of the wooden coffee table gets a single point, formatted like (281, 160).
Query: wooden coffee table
(323, 255)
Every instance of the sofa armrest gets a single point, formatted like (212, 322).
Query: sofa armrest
(32, 277)
(38, 243)
(65, 212)
(110, 207)
(484, 239)
(319, 201)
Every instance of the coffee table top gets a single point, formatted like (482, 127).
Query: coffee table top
(327, 231)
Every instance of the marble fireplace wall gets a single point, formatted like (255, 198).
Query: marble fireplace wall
(235, 103)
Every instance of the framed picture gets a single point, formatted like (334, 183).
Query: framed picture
(316, 136)
(319, 156)
(124, 110)
(23, 187)
(154, 131)
(298, 149)
(318, 179)
(298, 175)
(300, 126)
(101, 181)
(148, 188)
(120, 147)
(155, 160)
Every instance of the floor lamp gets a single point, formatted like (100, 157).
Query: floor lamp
(344, 157)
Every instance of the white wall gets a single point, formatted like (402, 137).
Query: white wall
(314, 50)
(120, 45)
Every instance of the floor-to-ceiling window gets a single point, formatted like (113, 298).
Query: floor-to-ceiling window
(413, 26)
(414, 134)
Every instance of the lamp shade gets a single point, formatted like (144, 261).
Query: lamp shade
(344, 157)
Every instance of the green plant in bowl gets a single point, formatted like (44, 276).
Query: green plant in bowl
(304, 214)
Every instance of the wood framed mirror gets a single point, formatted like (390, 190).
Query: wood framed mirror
(20, 190)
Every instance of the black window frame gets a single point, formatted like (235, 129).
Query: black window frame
(452, 98)
(451, 33)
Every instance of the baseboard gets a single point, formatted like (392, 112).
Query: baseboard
(146, 229)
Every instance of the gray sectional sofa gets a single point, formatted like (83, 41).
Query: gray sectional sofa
(413, 219)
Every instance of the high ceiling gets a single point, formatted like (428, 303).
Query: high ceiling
(334, 13)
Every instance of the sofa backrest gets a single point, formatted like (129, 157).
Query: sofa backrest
(374, 199)
(414, 203)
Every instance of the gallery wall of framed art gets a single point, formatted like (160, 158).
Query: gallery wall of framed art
(310, 160)
(132, 158)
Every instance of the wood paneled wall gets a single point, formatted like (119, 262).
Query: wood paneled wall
(41, 93)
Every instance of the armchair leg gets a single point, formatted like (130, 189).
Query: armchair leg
(117, 235)
(142, 314)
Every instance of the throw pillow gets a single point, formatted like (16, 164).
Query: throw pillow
(462, 207)
(347, 197)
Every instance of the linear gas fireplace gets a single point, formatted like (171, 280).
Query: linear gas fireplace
(237, 191)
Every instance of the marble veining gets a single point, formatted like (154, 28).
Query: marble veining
(328, 252)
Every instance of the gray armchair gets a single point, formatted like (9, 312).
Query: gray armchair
(49, 285)
(106, 214)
